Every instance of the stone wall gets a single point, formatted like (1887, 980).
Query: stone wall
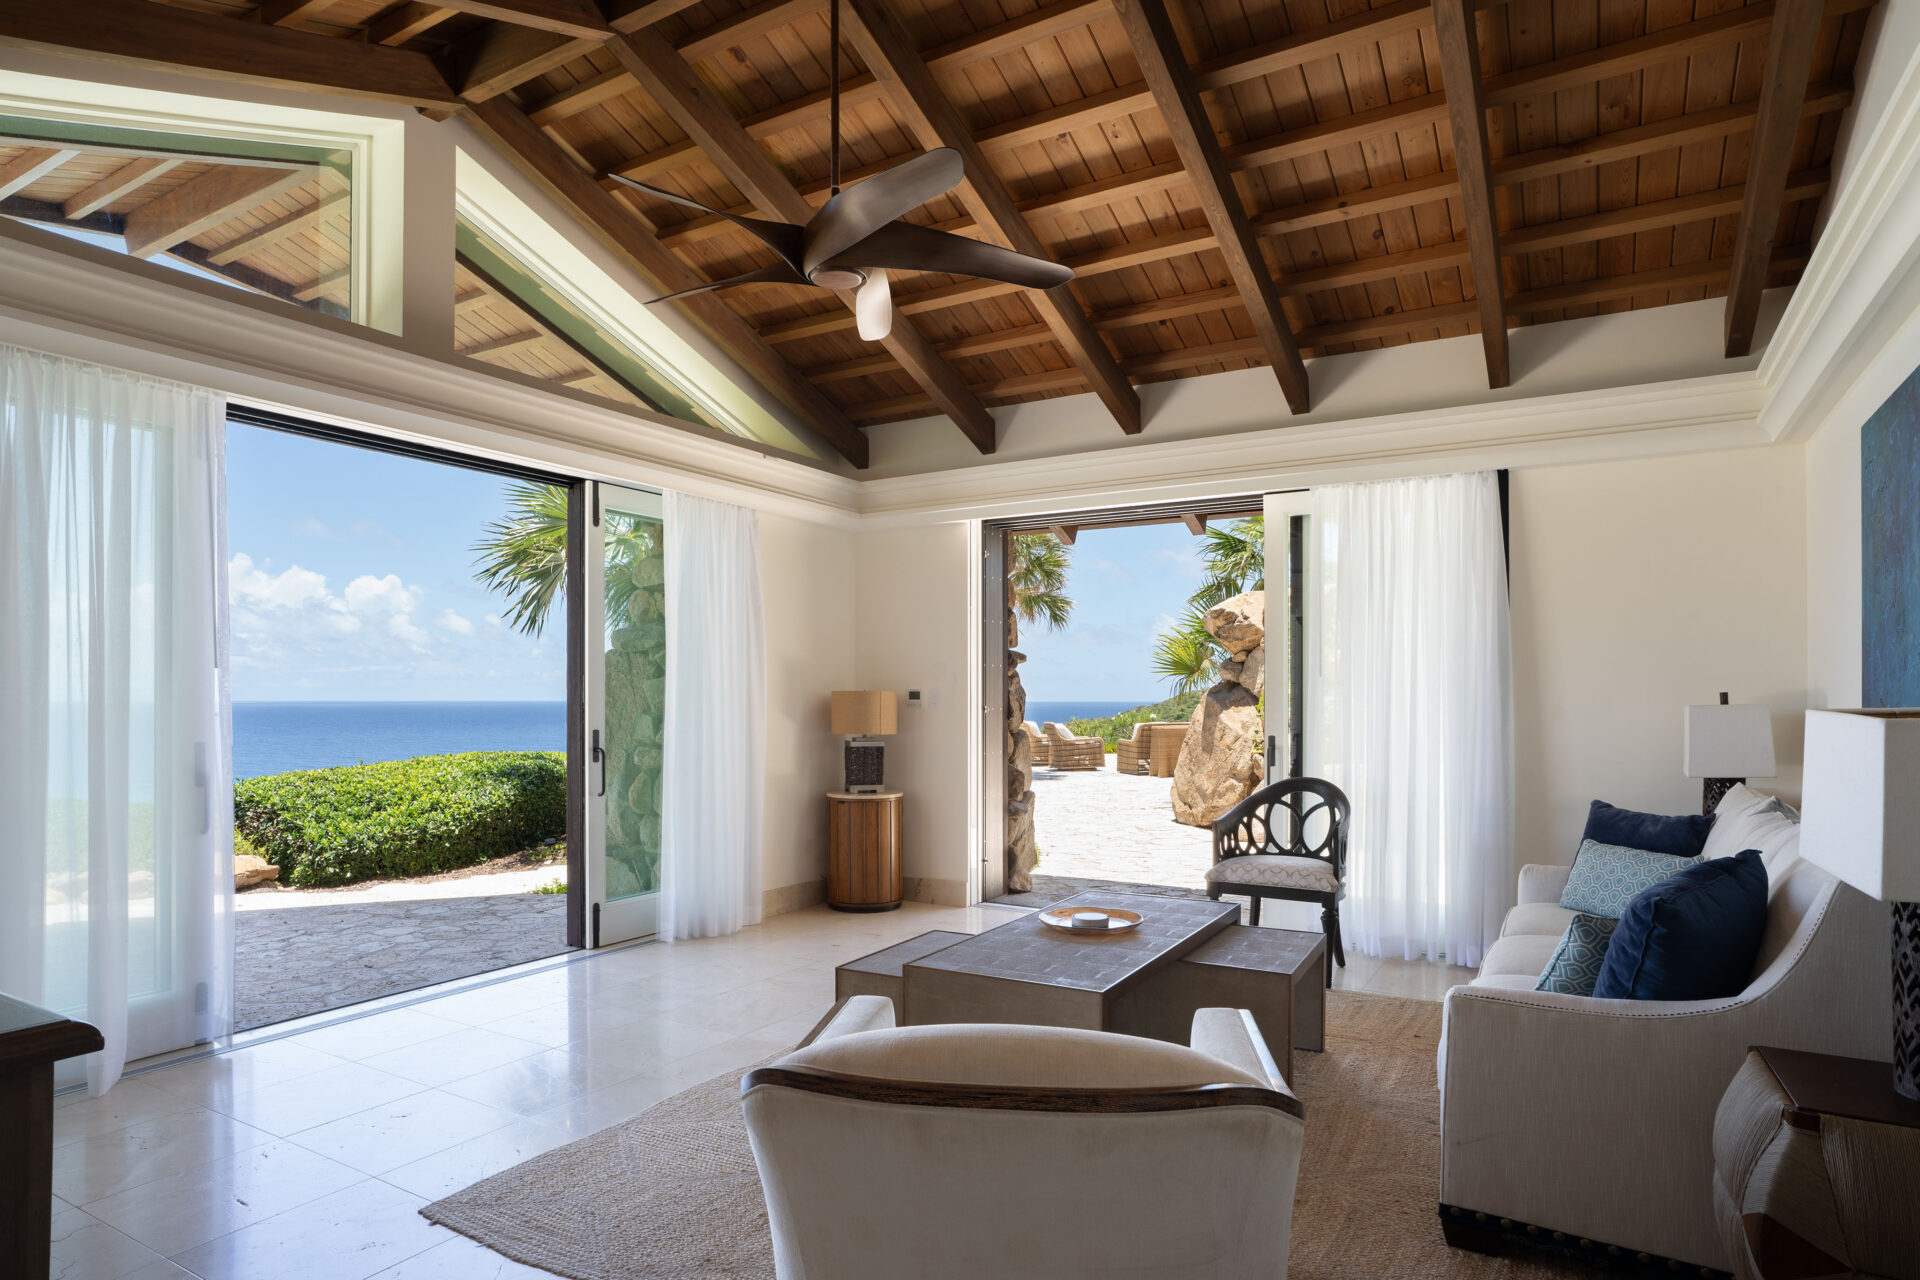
(1220, 762)
(1023, 855)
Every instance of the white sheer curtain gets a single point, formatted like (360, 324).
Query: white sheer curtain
(1410, 708)
(116, 811)
(714, 779)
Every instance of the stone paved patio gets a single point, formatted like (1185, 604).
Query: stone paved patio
(1111, 830)
(302, 951)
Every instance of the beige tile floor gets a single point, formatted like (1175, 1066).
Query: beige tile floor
(307, 1157)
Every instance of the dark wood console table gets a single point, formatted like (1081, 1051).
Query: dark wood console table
(32, 1039)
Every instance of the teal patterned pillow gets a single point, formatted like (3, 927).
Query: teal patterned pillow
(1575, 965)
(1606, 877)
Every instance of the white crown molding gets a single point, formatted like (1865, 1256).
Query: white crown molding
(74, 299)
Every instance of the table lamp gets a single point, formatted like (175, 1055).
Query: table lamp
(864, 715)
(1726, 745)
(1860, 819)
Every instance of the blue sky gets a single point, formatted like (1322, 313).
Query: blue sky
(351, 579)
(1128, 585)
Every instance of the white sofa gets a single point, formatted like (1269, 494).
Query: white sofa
(1589, 1123)
(1025, 1153)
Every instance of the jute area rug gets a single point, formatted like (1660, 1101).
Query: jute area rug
(672, 1194)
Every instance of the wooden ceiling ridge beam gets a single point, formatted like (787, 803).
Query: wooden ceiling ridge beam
(1782, 102)
(215, 197)
(671, 82)
(616, 223)
(1456, 30)
(215, 44)
(931, 117)
(281, 228)
(118, 185)
(1163, 65)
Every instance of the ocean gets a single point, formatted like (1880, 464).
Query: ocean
(277, 737)
(1061, 712)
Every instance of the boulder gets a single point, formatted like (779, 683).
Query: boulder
(1217, 768)
(1022, 854)
(1239, 624)
(249, 871)
(1248, 671)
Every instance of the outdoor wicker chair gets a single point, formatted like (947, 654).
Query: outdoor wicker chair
(1134, 755)
(1037, 741)
(1068, 752)
(1167, 739)
(1298, 853)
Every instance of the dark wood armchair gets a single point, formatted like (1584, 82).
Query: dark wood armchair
(1288, 841)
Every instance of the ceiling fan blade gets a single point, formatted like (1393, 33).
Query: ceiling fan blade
(783, 238)
(905, 246)
(860, 210)
(873, 306)
(774, 273)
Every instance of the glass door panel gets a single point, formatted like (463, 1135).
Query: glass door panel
(1287, 536)
(626, 637)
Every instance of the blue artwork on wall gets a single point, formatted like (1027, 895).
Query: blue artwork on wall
(1890, 550)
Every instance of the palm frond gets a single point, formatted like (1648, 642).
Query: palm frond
(1037, 579)
(1187, 656)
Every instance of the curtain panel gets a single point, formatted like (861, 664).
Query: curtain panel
(116, 811)
(1410, 708)
(713, 778)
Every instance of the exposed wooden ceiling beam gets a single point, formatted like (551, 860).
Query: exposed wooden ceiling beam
(281, 13)
(1456, 30)
(918, 99)
(405, 21)
(578, 18)
(499, 57)
(118, 185)
(1163, 64)
(754, 20)
(508, 345)
(546, 160)
(137, 31)
(671, 82)
(29, 167)
(332, 282)
(217, 196)
(1783, 89)
(470, 299)
(1196, 524)
(1633, 219)
(1064, 534)
(281, 229)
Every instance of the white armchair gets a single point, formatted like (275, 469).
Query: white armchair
(1025, 1153)
(1589, 1123)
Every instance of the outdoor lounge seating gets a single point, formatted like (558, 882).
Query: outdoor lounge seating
(1065, 751)
(1167, 741)
(1299, 854)
(1037, 741)
(1135, 754)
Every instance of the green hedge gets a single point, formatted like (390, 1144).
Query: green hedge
(402, 817)
(1111, 729)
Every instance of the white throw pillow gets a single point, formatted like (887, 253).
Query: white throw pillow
(1749, 819)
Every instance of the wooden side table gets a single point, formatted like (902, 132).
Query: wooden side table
(863, 851)
(1816, 1161)
(32, 1039)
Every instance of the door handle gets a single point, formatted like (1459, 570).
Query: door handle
(600, 758)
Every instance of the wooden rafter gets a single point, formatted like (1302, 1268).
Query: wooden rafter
(578, 18)
(280, 13)
(333, 282)
(500, 57)
(405, 21)
(1164, 65)
(118, 185)
(29, 167)
(1457, 32)
(139, 31)
(218, 196)
(919, 100)
(553, 165)
(671, 82)
(1782, 92)
(282, 228)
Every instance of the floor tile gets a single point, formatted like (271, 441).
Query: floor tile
(85, 1248)
(359, 1038)
(174, 1214)
(591, 1112)
(332, 1094)
(465, 1163)
(132, 1101)
(534, 1084)
(213, 1080)
(564, 1021)
(348, 1235)
(461, 1259)
(454, 1055)
(396, 1133)
(168, 1146)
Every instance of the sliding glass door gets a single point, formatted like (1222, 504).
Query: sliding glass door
(1289, 560)
(626, 668)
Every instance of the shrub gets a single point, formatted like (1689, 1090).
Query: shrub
(402, 817)
(1110, 729)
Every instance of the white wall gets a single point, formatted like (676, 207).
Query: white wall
(913, 633)
(1638, 588)
(807, 576)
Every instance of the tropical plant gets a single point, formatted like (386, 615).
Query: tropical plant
(1186, 655)
(1235, 560)
(1037, 579)
(1111, 729)
(524, 556)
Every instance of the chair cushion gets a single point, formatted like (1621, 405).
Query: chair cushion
(1682, 836)
(1040, 1057)
(1276, 871)
(1522, 956)
(1537, 917)
(1575, 964)
(1749, 819)
(1693, 936)
(1606, 877)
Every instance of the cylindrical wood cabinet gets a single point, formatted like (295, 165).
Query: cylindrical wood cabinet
(863, 851)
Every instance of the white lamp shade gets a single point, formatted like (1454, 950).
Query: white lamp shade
(1729, 742)
(1860, 806)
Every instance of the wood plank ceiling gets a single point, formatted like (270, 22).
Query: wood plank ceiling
(1235, 182)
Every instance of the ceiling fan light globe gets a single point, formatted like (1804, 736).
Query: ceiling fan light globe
(838, 277)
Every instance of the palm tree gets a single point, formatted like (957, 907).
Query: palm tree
(1235, 558)
(1187, 655)
(524, 556)
(1037, 579)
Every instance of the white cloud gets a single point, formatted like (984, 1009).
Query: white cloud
(448, 620)
(292, 618)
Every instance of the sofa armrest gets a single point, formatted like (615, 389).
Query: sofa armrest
(851, 1015)
(1231, 1036)
(1543, 882)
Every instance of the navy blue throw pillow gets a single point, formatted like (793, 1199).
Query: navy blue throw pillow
(1693, 936)
(1683, 836)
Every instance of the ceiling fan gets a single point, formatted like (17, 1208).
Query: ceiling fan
(857, 236)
